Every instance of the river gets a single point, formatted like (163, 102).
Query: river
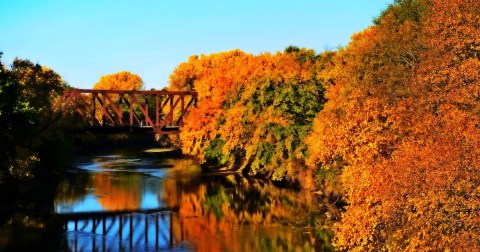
(151, 199)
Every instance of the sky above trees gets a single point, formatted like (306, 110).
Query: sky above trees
(84, 40)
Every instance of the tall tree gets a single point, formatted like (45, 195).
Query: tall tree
(120, 81)
(27, 123)
(401, 126)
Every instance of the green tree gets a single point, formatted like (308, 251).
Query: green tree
(31, 138)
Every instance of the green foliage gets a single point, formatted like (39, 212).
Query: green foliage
(279, 145)
(403, 10)
(326, 236)
(31, 139)
(301, 55)
(213, 153)
(253, 111)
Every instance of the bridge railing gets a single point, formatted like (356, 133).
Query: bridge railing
(161, 112)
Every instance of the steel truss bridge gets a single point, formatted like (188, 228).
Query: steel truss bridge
(116, 111)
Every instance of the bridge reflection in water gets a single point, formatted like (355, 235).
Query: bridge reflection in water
(121, 231)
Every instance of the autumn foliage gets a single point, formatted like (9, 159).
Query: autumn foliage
(118, 196)
(32, 138)
(401, 127)
(253, 111)
(120, 81)
(398, 125)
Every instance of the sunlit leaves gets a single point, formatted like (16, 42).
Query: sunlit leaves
(258, 107)
(119, 81)
(402, 118)
(401, 125)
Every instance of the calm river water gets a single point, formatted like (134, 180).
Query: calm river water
(150, 200)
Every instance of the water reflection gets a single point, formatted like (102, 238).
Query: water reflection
(214, 212)
(121, 232)
(111, 183)
(114, 195)
(219, 213)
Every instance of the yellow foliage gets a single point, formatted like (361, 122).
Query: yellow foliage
(253, 111)
(401, 125)
(119, 81)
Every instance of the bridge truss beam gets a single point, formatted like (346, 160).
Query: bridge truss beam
(110, 111)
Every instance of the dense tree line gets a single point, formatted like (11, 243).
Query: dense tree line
(253, 112)
(394, 116)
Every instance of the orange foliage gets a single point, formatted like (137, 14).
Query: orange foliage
(401, 125)
(253, 111)
(211, 78)
(120, 81)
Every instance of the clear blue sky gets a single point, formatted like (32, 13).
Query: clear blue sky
(85, 39)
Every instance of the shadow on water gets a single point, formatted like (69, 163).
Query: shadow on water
(153, 200)
(26, 223)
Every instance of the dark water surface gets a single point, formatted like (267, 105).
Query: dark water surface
(150, 200)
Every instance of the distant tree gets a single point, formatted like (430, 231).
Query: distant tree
(120, 81)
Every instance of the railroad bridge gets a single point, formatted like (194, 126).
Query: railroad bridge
(116, 111)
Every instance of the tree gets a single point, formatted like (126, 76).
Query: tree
(120, 81)
(253, 112)
(401, 126)
(31, 146)
(212, 77)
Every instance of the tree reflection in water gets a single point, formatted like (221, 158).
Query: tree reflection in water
(215, 212)
(230, 212)
(126, 195)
